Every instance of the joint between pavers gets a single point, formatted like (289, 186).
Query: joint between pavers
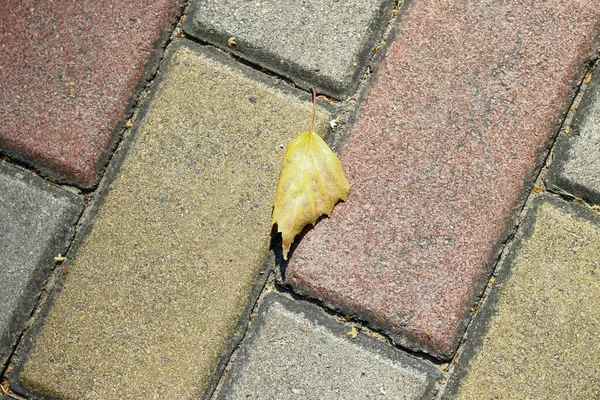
(102, 190)
(343, 107)
(556, 180)
(93, 197)
(329, 321)
(498, 272)
(380, 27)
(135, 102)
(62, 240)
(121, 136)
(509, 243)
(338, 312)
(47, 168)
(289, 68)
(480, 324)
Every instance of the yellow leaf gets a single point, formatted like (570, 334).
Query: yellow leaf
(311, 182)
(353, 333)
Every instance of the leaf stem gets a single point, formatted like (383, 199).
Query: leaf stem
(312, 122)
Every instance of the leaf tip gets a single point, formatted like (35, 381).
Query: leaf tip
(286, 244)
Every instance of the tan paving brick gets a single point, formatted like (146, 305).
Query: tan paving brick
(543, 340)
(156, 291)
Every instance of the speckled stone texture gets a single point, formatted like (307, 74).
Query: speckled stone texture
(156, 291)
(540, 337)
(576, 165)
(325, 43)
(37, 222)
(296, 351)
(69, 69)
(446, 141)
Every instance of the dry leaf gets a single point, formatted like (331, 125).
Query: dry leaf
(311, 182)
(353, 333)
(537, 189)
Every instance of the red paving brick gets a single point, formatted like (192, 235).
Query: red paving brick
(440, 159)
(67, 72)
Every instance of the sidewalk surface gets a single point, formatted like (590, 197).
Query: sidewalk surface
(141, 145)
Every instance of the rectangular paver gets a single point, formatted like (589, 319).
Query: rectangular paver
(67, 72)
(576, 165)
(325, 43)
(37, 221)
(538, 335)
(155, 293)
(296, 351)
(446, 141)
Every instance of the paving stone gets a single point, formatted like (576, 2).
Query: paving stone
(69, 70)
(152, 303)
(576, 165)
(37, 222)
(296, 351)
(444, 147)
(538, 334)
(325, 44)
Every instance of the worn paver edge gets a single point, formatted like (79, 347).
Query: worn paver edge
(148, 73)
(480, 324)
(320, 317)
(296, 74)
(555, 176)
(19, 357)
(33, 290)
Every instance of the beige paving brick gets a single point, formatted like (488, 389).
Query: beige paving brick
(543, 340)
(156, 291)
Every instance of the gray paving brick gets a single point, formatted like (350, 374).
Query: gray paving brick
(576, 165)
(295, 351)
(36, 223)
(325, 44)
